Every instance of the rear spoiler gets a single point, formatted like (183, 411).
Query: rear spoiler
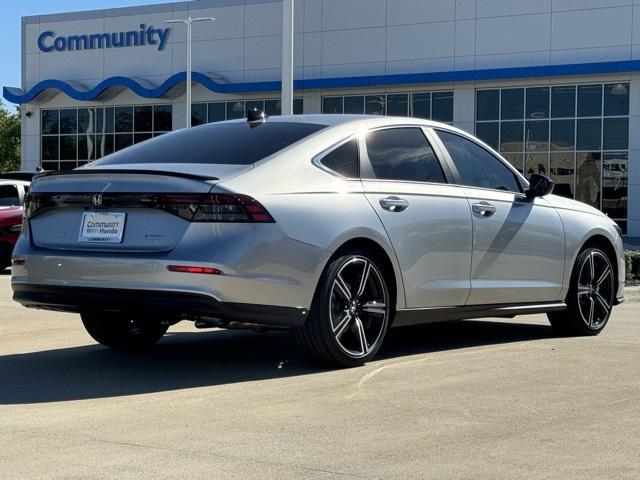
(91, 171)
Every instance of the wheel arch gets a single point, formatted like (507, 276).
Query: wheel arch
(383, 255)
(603, 242)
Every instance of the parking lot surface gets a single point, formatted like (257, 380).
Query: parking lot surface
(465, 400)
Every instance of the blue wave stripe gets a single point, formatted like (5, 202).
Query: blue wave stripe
(326, 83)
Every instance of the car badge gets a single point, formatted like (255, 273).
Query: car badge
(96, 199)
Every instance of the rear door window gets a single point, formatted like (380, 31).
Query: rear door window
(344, 160)
(403, 154)
(476, 166)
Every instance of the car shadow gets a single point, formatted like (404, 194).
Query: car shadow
(187, 360)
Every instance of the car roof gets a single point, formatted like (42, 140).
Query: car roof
(339, 119)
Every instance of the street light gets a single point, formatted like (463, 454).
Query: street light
(287, 57)
(188, 21)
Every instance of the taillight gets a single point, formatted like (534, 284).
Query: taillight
(217, 207)
(194, 207)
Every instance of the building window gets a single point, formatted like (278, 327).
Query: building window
(220, 111)
(74, 136)
(430, 105)
(578, 135)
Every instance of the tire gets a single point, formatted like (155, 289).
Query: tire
(590, 298)
(122, 332)
(350, 313)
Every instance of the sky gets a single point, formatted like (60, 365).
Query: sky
(13, 10)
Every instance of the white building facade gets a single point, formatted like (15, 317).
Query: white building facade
(554, 85)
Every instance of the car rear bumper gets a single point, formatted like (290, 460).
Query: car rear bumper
(167, 304)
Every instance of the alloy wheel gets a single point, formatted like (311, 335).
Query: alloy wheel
(595, 289)
(359, 307)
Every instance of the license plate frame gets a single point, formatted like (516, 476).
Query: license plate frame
(102, 227)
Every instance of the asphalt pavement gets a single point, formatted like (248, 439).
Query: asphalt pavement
(490, 399)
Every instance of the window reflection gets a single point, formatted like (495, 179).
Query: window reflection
(511, 137)
(563, 173)
(588, 178)
(538, 102)
(537, 136)
(421, 105)
(614, 184)
(354, 105)
(374, 105)
(536, 163)
(73, 137)
(489, 133)
(512, 104)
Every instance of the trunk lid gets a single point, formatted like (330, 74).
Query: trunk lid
(128, 202)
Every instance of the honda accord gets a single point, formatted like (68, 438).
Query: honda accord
(335, 227)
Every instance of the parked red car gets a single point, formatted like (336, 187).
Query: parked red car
(11, 200)
(10, 226)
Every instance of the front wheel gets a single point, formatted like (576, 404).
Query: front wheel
(350, 312)
(123, 332)
(590, 298)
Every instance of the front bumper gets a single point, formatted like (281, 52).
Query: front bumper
(162, 304)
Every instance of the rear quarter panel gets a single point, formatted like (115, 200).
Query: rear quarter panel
(313, 206)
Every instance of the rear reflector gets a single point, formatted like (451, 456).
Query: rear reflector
(192, 269)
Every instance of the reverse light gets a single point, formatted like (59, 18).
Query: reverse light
(194, 269)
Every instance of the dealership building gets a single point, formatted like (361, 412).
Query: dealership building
(554, 85)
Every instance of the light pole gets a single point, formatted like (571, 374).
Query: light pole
(287, 57)
(188, 21)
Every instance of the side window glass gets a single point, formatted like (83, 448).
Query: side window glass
(344, 159)
(9, 196)
(476, 166)
(403, 154)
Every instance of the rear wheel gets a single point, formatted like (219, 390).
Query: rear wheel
(123, 332)
(350, 312)
(591, 295)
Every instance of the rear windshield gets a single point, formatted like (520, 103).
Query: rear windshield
(222, 143)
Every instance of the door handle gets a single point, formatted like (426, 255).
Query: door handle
(484, 208)
(394, 204)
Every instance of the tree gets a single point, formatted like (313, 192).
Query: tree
(9, 140)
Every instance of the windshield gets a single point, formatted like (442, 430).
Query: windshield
(223, 143)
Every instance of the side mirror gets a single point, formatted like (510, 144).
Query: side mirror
(539, 186)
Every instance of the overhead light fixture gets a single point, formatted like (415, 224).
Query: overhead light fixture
(619, 89)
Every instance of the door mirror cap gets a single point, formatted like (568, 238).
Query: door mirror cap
(539, 186)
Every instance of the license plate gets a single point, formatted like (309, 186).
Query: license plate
(102, 227)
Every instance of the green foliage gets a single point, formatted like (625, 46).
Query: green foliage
(9, 140)
(632, 263)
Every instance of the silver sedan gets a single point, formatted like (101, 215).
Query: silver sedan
(336, 227)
